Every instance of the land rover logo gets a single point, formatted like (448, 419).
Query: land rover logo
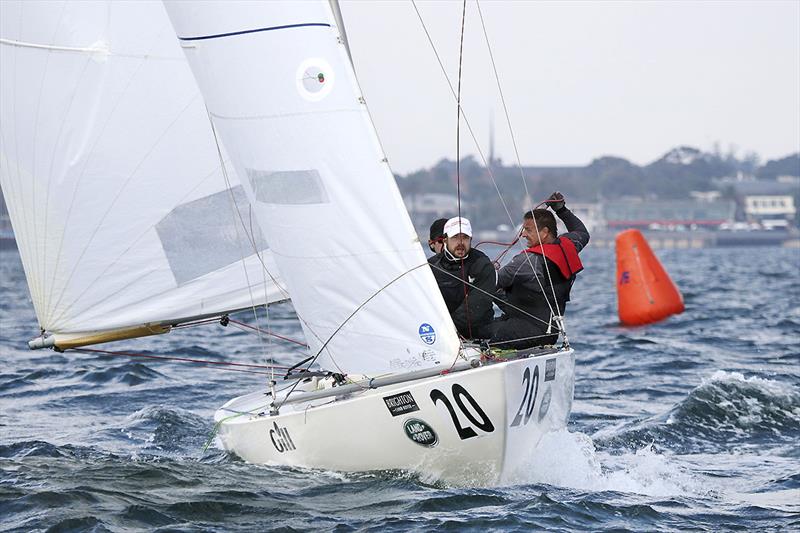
(420, 432)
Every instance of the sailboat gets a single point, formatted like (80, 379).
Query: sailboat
(131, 222)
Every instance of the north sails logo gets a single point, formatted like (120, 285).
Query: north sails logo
(427, 333)
(281, 439)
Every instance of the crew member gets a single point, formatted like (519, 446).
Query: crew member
(436, 237)
(466, 278)
(532, 315)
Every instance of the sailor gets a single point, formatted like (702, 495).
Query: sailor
(466, 278)
(436, 238)
(532, 315)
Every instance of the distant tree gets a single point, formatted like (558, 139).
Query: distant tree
(787, 166)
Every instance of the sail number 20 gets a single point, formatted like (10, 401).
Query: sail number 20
(460, 394)
(531, 387)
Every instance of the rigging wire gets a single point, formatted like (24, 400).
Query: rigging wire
(458, 159)
(267, 332)
(250, 236)
(475, 140)
(516, 150)
(346, 320)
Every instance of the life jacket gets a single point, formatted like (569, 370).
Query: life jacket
(563, 254)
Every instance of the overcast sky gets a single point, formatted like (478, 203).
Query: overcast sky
(581, 79)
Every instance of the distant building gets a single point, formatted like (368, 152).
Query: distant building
(427, 207)
(768, 203)
(590, 214)
(668, 214)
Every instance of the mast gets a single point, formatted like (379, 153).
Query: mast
(337, 15)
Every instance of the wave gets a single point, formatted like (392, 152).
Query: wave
(727, 410)
(167, 429)
(129, 373)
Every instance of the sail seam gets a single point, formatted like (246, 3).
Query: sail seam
(286, 115)
(257, 30)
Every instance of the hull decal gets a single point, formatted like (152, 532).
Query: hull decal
(482, 421)
(400, 404)
(280, 439)
(550, 370)
(420, 432)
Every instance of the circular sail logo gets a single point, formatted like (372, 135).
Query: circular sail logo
(314, 79)
(427, 333)
(420, 432)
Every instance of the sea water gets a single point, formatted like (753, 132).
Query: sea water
(689, 424)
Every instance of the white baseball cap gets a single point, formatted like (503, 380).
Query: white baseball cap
(457, 225)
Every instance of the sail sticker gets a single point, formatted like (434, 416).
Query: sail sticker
(550, 370)
(625, 278)
(315, 79)
(281, 439)
(430, 356)
(420, 432)
(427, 333)
(400, 404)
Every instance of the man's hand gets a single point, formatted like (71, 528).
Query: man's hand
(556, 201)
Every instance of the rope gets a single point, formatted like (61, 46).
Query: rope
(248, 326)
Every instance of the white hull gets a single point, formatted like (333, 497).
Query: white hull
(473, 427)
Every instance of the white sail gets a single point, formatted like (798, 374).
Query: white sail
(284, 97)
(111, 174)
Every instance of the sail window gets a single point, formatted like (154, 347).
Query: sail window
(206, 234)
(288, 187)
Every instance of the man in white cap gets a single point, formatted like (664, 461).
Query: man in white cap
(466, 278)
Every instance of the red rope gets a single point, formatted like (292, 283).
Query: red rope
(281, 337)
(508, 245)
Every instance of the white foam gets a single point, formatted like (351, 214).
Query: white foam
(767, 385)
(570, 460)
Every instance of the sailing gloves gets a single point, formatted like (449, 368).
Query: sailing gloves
(556, 202)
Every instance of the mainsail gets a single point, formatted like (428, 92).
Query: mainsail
(284, 97)
(121, 208)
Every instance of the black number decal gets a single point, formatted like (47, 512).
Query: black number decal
(485, 424)
(460, 393)
(534, 393)
(463, 433)
(526, 381)
(531, 388)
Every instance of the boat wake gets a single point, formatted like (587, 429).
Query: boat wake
(571, 460)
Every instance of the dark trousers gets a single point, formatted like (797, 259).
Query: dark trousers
(519, 333)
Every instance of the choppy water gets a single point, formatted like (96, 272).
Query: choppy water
(691, 424)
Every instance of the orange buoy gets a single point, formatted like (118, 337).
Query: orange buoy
(645, 292)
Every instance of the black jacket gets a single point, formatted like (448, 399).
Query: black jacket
(526, 279)
(472, 315)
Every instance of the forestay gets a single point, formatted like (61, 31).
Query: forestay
(284, 97)
(111, 174)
